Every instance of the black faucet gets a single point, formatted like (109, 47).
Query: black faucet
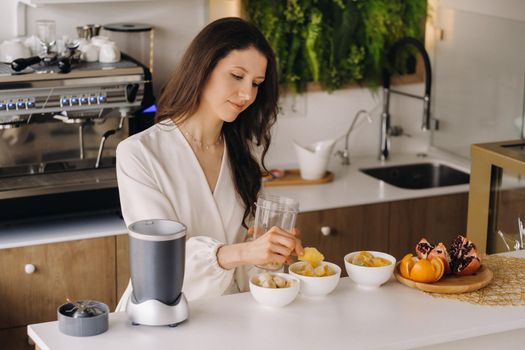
(386, 130)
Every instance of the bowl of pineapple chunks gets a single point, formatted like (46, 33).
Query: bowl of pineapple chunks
(318, 277)
(369, 269)
(274, 289)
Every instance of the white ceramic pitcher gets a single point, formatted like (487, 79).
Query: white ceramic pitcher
(313, 159)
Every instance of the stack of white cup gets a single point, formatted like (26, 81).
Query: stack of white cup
(99, 48)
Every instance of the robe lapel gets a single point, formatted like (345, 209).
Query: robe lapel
(212, 221)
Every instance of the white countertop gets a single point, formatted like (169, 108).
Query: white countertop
(349, 188)
(391, 317)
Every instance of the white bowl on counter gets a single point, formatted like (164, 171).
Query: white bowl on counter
(316, 286)
(275, 297)
(370, 277)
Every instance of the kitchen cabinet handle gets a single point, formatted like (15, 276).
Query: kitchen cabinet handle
(326, 231)
(29, 268)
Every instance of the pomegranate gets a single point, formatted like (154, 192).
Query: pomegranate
(464, 257)
(440, 251)
(423, 248)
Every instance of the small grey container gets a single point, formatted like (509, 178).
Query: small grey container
(81, 324)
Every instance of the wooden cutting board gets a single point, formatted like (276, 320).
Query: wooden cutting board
(292, 177)
(451, 284)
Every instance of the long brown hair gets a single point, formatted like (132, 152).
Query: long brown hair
(182, 95)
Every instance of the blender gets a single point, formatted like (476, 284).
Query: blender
(156, 257)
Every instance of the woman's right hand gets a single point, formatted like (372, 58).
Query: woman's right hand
(274, 247)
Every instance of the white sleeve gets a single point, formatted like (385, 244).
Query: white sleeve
(203, 276)
(141, 199)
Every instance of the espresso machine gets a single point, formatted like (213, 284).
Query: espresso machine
(156, 260)
(59, 133)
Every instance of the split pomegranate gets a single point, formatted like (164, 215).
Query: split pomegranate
(423, 248)
(440, 251)
(464, 257)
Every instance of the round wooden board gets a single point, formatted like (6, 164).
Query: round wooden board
(451, 284)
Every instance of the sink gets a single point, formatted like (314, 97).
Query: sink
(419, 175)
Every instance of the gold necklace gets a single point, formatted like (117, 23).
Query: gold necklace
(198, 142)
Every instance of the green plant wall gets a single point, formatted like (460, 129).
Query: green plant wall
(334, 42)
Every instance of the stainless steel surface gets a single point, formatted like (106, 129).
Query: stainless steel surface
(62, 119)
(384, 139)
(427, 121)
(419, 176)
(345, 154)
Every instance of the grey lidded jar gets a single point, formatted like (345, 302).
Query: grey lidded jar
(157, 251)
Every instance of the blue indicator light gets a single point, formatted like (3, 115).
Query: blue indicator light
(151, 109)
(65, 101)
(84, 99)
(2, 106)
(74, 100)
(102, 98)
(11, 106)
(93, 99)
(21, 104)
(31, 104)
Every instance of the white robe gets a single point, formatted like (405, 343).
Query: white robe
(159, 177)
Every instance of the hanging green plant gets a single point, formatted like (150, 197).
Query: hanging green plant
(334, 42)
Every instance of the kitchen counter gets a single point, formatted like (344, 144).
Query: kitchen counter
(391, 317)
(352, 187)
(349, 188)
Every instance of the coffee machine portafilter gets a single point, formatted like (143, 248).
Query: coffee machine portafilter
(156, 257)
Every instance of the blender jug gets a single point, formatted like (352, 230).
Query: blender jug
(156, 257)
(134, 39)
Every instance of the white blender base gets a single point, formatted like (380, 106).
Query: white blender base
(155, 313)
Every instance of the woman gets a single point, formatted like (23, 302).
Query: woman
(197, 164)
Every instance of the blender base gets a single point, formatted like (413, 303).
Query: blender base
(155, 313)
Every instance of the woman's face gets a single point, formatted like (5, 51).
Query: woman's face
(233, 84)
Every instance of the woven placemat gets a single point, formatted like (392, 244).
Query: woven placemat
(506, 289)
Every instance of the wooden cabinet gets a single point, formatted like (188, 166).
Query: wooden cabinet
(83, 269)
(393, 227)
(352, 228)
(438, 219)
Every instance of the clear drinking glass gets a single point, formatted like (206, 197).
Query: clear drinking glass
(274, 211)
(45, 30)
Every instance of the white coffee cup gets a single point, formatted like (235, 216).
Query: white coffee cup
(109, 53)
(100, 40)
(82, 42)
(12, 49)
(90, 53)
(34, 44)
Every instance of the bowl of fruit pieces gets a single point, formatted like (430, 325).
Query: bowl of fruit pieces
(274, 289)
(318, 277)
(369, 269)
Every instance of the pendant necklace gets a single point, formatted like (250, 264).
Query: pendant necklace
(198, 142)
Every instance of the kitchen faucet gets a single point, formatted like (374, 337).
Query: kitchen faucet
(344, 154)
(386, 130)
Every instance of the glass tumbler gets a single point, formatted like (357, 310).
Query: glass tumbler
(45, 30)
(274, 211)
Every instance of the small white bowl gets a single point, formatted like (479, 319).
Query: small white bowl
(317, 286)
(275, 297)
(370, 277)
